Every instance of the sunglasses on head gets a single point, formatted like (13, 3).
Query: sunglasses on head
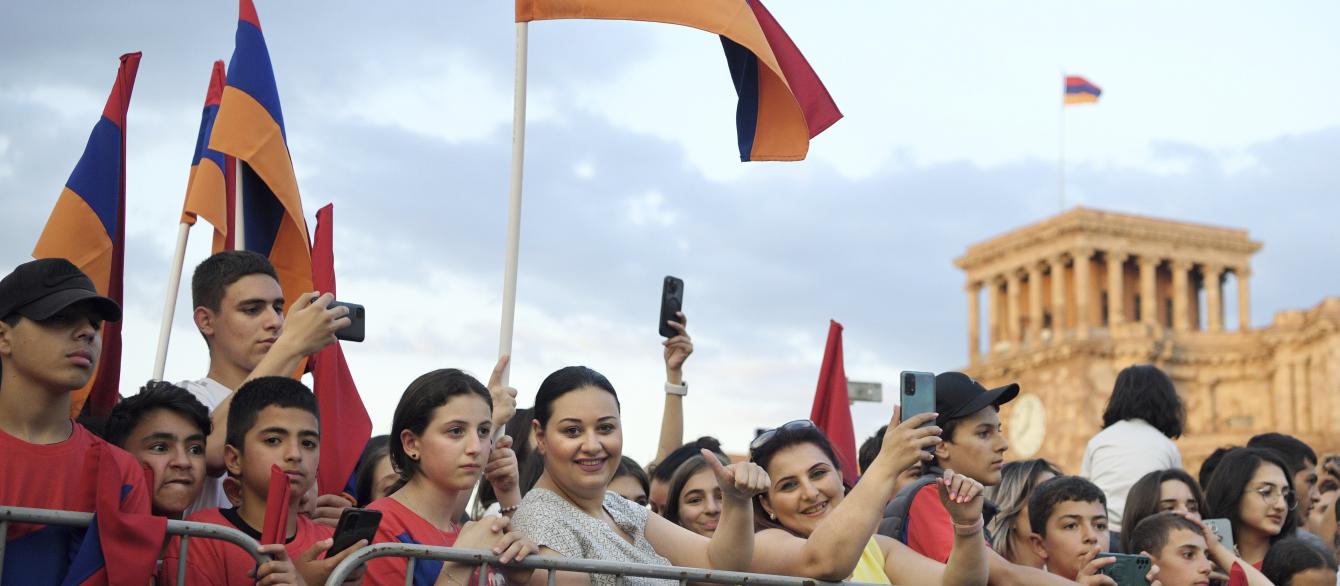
(767, 436)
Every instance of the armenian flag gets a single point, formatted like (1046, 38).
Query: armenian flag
(250, 126)
(130, 540)
(88, 227)
(831, 411)
(210, 186)
(782, 102)
(1080, 91)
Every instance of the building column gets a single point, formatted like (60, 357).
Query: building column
(1116, 288)
(1214, 305)
(1302, 396)
(1180, 273)
(993, 334)
(1244, 300)
(1058, 295)
(1082, 294)
(1012, 307)
(974, 327)
(1149, 302)
(1035, 303)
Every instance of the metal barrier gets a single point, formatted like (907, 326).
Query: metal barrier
(479, 557)
(186, 529)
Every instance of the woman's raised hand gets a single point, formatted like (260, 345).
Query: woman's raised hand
(738, 481)
(905, 442)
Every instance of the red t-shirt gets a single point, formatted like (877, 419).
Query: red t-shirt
(930, 531)
(401, 525)
(213, 562)
(52, 476)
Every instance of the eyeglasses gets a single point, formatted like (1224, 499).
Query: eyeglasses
(1271, 496)
(767, 436)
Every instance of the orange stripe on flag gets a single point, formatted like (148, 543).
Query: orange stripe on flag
(208, 197)
(74, 232)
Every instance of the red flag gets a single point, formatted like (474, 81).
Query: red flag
(130, 541)
(276, 508)
(832, 409)
(345, 425)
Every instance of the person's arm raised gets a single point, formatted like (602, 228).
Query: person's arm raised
(962, 497)
(504, 396)
(1226, 558)
(731, 547)
(677, 350)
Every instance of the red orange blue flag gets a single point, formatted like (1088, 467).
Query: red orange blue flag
(210, 187)
(1080, 91)
(88, 225)
(250, 127)
(120, 546)
(782, 103)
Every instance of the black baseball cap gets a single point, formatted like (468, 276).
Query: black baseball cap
(959, 395)
(40, 288)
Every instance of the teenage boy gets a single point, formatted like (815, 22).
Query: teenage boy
(51, 320)
(1068, 515)
(239, 309)
(1183, 549)
(273, 422)
(164, 427)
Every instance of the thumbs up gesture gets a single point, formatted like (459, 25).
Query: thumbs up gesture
(739, 482)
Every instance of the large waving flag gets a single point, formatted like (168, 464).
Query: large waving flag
(1080, 91)
(88, 227)
(345, 425)
(210, 187)
(783, 104)
(831, 412)
(250, 127)
(131, 541)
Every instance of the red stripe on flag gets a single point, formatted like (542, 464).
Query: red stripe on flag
(831, 412)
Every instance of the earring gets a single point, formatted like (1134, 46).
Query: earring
(414, 457)
(772, 516)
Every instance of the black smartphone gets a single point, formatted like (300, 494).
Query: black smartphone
(1128, 570)
(672, 302)
(355, 524)
(354, 331)
(917, 390)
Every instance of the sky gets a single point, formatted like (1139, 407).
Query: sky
(1214, 112)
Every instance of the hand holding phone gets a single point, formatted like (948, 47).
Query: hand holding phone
(672, 302)
(1223, 529)
(355, 524)
(1128, 570)
(917, 390)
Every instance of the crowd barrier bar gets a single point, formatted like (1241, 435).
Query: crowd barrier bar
(186, 529)
(479, 557)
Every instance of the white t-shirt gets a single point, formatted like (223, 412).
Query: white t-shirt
(1120, 455)
(212, 393)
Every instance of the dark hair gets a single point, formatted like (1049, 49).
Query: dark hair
(373, 452)
(1062, 489)
(681, 478)
(1151, 533)
(665, 469)
(415, 411)
(1295, 453)
(1293, 556)
(1145, 392)
(563, 381)
(870, 449)
(259, 393)
(1018, 479)
(214, 274)
(1228, 486)
(630, 468)
(784, 437)
(1142, 501)
(1211, 462)
(154, 395)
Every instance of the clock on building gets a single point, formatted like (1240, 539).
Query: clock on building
(1028, 424)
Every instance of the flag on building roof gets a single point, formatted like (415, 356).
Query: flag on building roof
(831, 411)
(1080, 91)
(209, 190)
(88, 225)
(782, 102)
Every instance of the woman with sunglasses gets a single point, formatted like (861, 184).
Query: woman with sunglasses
(810, 527)
(1251, 488)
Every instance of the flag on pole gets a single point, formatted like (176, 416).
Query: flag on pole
(831, 412)
(250, 127)
(345, 425)
(782, 102)
(132, 541)
(210, 187)
(1080, 91)
(87, 226)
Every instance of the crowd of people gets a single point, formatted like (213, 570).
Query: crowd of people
(936, 501)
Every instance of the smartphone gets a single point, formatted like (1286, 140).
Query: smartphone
(355, 524)
(1222, 528)
(672, 301)
(1128, 570)
(918, 394)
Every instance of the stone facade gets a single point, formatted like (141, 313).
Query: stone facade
(1075, 298)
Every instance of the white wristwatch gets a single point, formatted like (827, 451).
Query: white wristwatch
(679, 389)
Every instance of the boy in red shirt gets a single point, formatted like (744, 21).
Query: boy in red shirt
(51, 320)
(273, 421)
(1183, 549)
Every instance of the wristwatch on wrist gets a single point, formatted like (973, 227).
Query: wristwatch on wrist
(680, 389)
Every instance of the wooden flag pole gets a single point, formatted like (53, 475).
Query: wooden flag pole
(170, 300)
(514, 199)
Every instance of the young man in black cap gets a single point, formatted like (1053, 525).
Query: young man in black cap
(51, 319)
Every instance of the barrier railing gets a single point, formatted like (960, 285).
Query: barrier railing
(186, 529)
(479, 557)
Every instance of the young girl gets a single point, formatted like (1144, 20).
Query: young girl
(1251, 488)
(1009, 529)
(440, 445)
(694, 500)
(1161, 491)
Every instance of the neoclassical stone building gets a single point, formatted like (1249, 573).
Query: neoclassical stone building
(1073, 299)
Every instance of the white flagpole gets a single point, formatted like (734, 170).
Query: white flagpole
(170, 300)
(514, 199)
(239, 226)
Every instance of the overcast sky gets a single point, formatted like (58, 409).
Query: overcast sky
(400, 114)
